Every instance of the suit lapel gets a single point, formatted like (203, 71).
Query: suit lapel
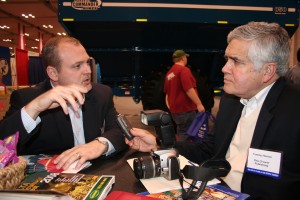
(265, 115)
(62, 121)
(227, 121)
(89, 112)
(64, 126)
(231, 128)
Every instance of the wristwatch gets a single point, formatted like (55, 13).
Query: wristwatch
(104, 142)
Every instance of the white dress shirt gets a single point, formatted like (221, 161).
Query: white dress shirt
(237, 152)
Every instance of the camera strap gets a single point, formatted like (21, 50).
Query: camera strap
(209, 170)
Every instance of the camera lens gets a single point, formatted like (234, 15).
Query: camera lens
(146, 167)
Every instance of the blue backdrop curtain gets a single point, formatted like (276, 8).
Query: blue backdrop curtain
(37, 71)
(5, 65)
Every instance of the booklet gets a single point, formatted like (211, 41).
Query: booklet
(43, 162)
(77, 186)
(211, 192)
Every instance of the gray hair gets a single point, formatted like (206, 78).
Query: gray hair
(269, 43)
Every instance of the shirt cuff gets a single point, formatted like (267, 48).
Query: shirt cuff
(28, 122)
(111, 147)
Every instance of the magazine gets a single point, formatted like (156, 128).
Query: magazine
(77, 186)
(43, 162)
(33, 195)
(211, 192)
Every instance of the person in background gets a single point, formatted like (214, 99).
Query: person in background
(293, 75)
(2, 85)
(181, 94)
(257, 127)
(66, 113)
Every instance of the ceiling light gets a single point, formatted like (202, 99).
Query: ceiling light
(6, 40)
(63, 33)
(47, 26)
(4, 27)
(27, 34)
(27, 16)
(37, 40)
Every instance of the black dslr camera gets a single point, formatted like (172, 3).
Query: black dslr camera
(163, 125)
(162, 163)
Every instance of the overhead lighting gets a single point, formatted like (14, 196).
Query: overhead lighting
(4, 27)
(28, 16)
(61, 33)
(36, 39)
(7, 40)
(34, 47)
(47, 26)
(3, 0)
(27, 34)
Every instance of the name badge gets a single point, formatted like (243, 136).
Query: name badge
(263, 162)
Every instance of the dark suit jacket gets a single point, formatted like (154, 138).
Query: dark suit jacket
(277, 129)
(54, 134)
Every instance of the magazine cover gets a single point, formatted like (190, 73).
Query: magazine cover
(78, 186)
(43, 162)
(211, 192)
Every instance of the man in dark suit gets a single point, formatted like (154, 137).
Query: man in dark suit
(66, 113)
(257, 127)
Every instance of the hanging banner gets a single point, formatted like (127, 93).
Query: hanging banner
(22, 62)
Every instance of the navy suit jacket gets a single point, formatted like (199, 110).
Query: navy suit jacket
(54, 134)
(277, 129)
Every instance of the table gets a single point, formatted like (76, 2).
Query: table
(125, 179)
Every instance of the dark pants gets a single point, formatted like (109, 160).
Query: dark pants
(183, 122)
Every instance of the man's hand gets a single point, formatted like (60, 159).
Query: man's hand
(57, 96)
(82, 153)
(143, 140)
(200, 108)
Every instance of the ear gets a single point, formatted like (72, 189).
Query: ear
(52, 73)
(269, 71)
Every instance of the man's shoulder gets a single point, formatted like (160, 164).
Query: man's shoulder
(100, 89)
(100, 86)
(39, 88)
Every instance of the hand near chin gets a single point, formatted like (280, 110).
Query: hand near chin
(57, 96)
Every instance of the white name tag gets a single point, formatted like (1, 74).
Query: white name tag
(265, 163)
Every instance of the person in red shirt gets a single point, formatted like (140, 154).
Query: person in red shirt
(181, 94)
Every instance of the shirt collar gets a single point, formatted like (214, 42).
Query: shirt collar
(259, 98)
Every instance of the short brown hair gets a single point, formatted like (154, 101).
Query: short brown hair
(50, 54)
